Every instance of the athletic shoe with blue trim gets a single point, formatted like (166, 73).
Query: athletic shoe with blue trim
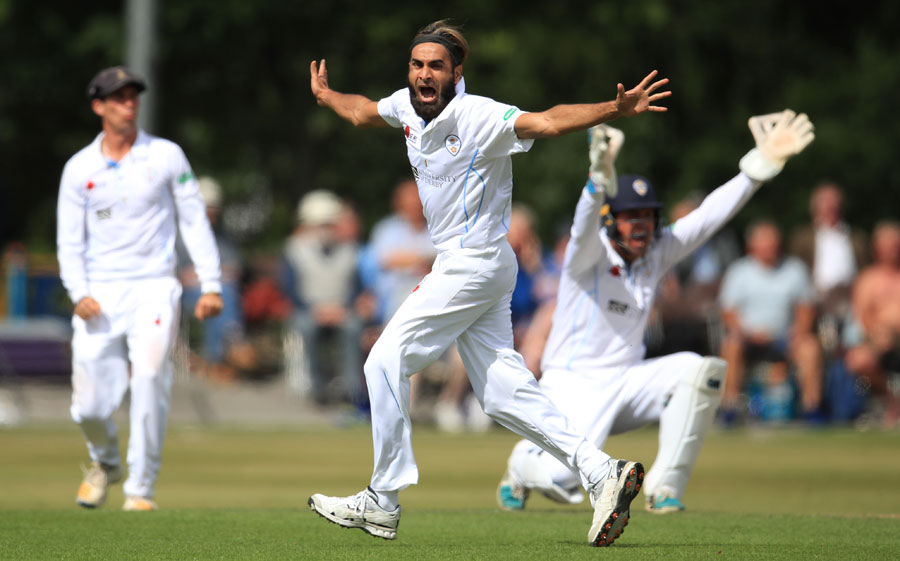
(511, 494)
(663, 503)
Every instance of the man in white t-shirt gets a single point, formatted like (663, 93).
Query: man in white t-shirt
(459, 146)
(594, 366)
(121, 199)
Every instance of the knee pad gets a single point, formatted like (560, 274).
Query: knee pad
(708, 377)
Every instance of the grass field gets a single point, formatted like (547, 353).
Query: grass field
(241, 494)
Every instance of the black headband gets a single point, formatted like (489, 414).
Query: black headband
(456, 52)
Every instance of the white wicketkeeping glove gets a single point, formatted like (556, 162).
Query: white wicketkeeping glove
(605, 143)
(778, 136)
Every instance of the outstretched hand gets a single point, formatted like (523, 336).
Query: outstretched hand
(318, 80)
(641, 98)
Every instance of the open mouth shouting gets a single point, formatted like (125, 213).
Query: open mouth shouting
(428, 94)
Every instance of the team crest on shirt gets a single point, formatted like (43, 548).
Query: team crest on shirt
(452, 144)
(640, 187)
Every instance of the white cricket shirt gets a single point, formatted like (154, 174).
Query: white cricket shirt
(117, 220)
(603, 304)
(461, 163)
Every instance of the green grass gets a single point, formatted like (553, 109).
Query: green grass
(241, 494)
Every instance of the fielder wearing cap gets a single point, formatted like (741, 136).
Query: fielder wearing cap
(113, 79)
(122, 198)
(460, 146)
(593, 364)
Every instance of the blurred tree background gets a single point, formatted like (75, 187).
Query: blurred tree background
(233, 90)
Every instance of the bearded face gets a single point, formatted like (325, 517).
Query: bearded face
(432, 79)
(429, 101)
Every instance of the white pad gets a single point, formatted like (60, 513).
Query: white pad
(683, 426)
(533, 469)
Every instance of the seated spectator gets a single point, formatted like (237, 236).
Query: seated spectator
(833, 252)
(768, 314)
(527, 247)
(225, 349)
(321, 278)
(876, 305)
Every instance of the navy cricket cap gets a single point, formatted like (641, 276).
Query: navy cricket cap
(111, 79)
(635, 192)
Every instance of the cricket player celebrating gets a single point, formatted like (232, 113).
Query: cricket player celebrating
(593, 364)
(120, 200)
(459, 146)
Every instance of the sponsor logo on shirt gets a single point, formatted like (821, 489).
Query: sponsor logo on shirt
(104, 214)
(428, 178)
(617, 307)
(410, 136)
(452, 144)
(185, 177)
(509, 113)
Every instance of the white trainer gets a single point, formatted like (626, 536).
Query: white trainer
(612, 502)
(97, 479)
(358, 511)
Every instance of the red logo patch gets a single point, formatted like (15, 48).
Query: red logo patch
(615, 270)
(90, 185)
(416, 288)
(406, 131)
(157, 322)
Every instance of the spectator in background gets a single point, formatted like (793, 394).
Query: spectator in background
(876, 305)
(831, 250)
(402, 249)
(225, 349)
(321, 277)
(527, 247)
(768, 313)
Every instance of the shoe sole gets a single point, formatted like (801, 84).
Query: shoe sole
(628, 488)
(373, 530)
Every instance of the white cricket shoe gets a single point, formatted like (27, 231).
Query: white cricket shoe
(135, 503)
(358, 511)
(612, 502)
(663, 502)
(97, 479)
(511, 493)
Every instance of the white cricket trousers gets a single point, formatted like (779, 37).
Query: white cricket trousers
(137, 326)
(614, 400)
(466, 299)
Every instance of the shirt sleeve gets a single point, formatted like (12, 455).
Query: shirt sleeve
(720, 206)
(71, 235)
(193, 224)
(729, 294)
(585, 248)
(387, 108)
(805, 292)
(496, 134)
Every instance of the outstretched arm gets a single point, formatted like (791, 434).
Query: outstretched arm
(563, 119)
(358, 109)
